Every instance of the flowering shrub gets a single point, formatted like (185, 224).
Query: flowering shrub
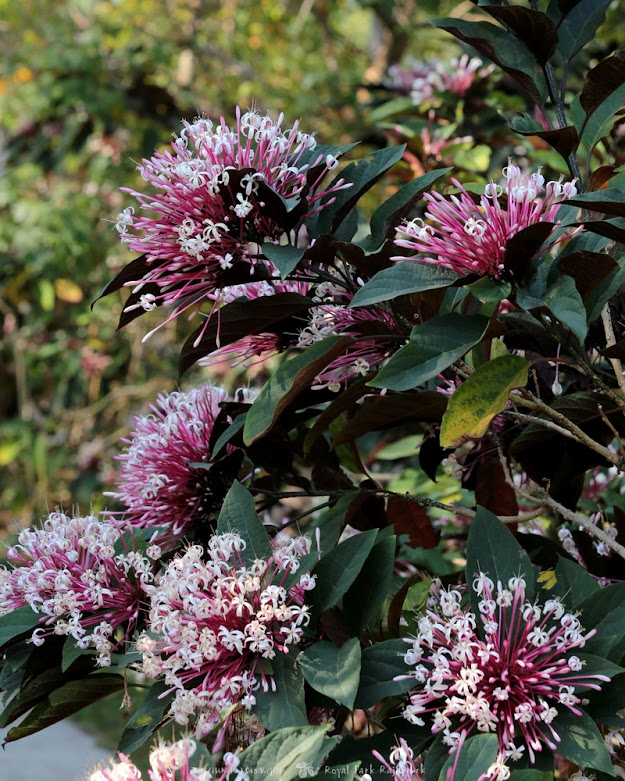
(445, 424)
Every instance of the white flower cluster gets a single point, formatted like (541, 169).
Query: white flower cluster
(214, 618)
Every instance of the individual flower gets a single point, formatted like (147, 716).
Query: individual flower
(510, 669)
(170, 762)
(469, 237)
(218, 195)
(71, 573)
(215, 621)
(401, 764)
(160, 483)
(421, 79)
(459, 73)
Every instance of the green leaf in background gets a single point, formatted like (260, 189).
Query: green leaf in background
(284, 707)
(238, 513)
(147, 718)
(285, 257)
(284, 754)
(481, 396)
(388, 214)
(476, 756)
(433, 347)
(64, 701)
(402, 278)
(581, 742)
(289, 380)
(333, 671)
(493, 550)
(16, 623)
(338, 569)
(380, 664)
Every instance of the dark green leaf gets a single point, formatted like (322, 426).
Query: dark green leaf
(361, 604)
(285, 706)
(433, 347)
(146, 720)
(386, 217)
(287, 382)
(238, 514)
(581, 742)
(573, 583)
(65, 701)
(565, 303)
(609, 201)
(476, 756)
(285, 257)
(435, 759)
(564, 140)
(338, 569)
(533, 28)
(71, 652)
(232, 430)
(333, 671)
(599, 124)
(380, 664)
(283, 754)
(580, 25)
(613, 229)
(602, 81)
(402, 278)
(136, 269)
(493, 550)
(16, 623)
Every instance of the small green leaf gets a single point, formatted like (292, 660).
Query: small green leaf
(402, 278)
(238, 513)
(285, 706)
(476, 756)
(338, 569)
(285, 257)
(481, 396)
(289, 380)
(579, 26)
(232, 430)
(17, 623)
(433, 347)
(380, 665)
(333, 671)
(284, 754)
(581, 742)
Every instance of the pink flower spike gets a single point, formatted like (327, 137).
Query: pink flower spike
(471, 238)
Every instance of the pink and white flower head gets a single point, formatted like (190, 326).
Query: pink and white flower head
(401, 764)
(214, 619)
(70, 573)
(170, 762)
(158, 484)
(510, 669)
(459, 73)
(469, 237)
(218, 195)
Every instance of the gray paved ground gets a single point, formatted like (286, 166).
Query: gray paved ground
(62, 752)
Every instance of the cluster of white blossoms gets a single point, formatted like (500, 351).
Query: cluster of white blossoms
(214, 619)
(509, 670)
(71, 574)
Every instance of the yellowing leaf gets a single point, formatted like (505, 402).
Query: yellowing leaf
(548, 578)
(68, 291)
(482, 396)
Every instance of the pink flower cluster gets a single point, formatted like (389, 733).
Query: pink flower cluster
(509, 670)
(469, 237)
(170, 762)
(70, 573)
(213, 620)
(212, 205)
(158, 484)
(421, 79)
